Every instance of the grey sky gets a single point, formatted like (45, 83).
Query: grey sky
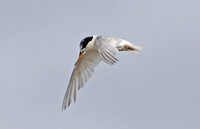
(158, 89)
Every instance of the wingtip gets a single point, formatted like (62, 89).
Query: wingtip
(64, 107)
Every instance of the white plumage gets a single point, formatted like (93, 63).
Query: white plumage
(93, 50)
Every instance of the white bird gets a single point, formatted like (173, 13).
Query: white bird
(93, 50)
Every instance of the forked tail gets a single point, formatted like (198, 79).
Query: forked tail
(127, 46)
(133, 48)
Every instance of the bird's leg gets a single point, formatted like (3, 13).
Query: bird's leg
(127, 48)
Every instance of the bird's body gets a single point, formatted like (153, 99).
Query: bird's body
(93, 50)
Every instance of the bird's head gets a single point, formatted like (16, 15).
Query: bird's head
(83, 46)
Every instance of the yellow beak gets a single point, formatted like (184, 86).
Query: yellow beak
(80, 56)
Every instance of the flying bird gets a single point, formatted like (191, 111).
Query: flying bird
(93, 50)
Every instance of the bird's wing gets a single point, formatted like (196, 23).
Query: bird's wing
(106, 47)
(82, 71)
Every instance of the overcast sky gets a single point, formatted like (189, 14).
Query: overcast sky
(157, 89)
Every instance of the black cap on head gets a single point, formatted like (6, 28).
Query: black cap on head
(85, 41)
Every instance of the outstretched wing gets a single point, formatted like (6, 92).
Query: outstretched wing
(81, 73)
(107, 49)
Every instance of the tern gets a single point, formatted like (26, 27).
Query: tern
(93, 50)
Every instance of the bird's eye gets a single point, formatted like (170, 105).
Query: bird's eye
(85, 41)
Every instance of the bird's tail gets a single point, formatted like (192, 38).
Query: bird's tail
(136, 49)
(127, 46)
(133, 48)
